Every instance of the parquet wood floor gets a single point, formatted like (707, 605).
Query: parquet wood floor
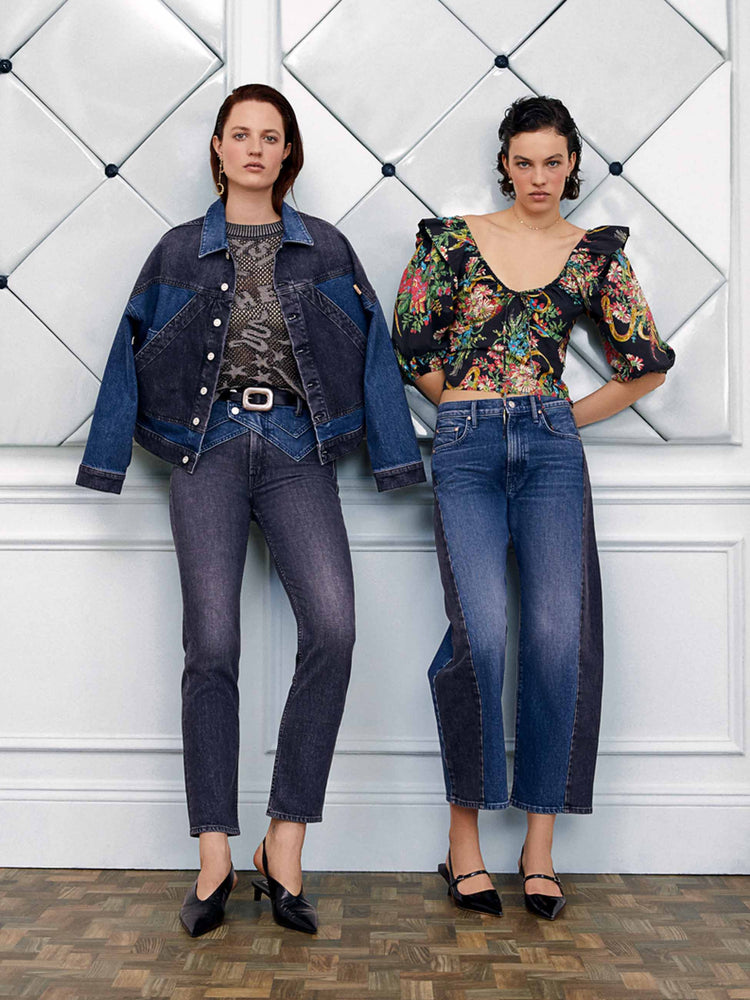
(96, 935)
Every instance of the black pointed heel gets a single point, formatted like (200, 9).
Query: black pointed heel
(539, 903)
(199, 916)
(295, 912)
(486, 901)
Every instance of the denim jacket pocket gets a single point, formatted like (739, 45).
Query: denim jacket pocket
(338, 316)
(158, 340)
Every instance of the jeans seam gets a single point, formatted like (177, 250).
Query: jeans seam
(473, 804)
(230, 831)
(568, 777)
(292, 817)
(292, 686)
(468, 643)
(549, 809)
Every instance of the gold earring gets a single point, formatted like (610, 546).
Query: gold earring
(219, 185)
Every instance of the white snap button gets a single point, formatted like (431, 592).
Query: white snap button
(217, 322)
(226, 254)
(235, 410)
(185, 459)
(511, 403)
(204, 390)
(224, 286)
(196, 421)
(210, 356)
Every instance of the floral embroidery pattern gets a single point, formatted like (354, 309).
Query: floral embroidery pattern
(453, 313)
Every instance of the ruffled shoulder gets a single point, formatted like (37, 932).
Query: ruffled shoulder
(605, 239)
(450, 236)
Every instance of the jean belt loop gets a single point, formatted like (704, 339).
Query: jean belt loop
(474, 413)
(534, 414)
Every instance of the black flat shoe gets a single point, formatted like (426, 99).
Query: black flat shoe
(198, 916)
(538, 903)
(294, 912)
(486, 901)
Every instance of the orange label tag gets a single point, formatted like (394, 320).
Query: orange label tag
(357, 289)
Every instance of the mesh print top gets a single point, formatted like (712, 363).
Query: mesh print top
(453, 313)
(258, 350)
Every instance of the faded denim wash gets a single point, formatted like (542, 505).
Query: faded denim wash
(508, 470)
(296, 505)
(163, 368)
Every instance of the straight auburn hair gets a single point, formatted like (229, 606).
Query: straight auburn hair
(292, 165)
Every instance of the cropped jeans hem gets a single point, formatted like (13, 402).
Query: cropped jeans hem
(550, 809)
(467, 804)
(275, 814)
(230, 831)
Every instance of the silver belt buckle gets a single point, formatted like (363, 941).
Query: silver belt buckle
(252, 391)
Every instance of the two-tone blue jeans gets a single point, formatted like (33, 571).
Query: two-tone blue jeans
(296, 504)
(512, 471)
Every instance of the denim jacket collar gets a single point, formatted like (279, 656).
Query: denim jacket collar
(214, 233)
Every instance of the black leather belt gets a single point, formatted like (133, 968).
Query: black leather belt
(262, 397)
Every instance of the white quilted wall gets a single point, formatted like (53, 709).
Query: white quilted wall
(106, 110)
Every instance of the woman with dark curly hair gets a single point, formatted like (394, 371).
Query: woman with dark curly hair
(482, 322)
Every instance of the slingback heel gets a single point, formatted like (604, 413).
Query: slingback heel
(539, 903)
(486, 901)
(295, 912)
(198, 916)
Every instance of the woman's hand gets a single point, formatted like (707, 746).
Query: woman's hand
(613, 397)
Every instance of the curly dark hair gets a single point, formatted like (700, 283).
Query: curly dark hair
(531, 114)
(292, 164)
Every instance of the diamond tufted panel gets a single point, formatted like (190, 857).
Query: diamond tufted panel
(414, 92)
(423, 87)
(129, 84)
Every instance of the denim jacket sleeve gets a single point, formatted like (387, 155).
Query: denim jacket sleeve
(391, 441)
(110, 442)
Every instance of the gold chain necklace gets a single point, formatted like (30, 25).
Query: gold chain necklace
(535, 227)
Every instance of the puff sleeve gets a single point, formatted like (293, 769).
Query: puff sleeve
(622, 315)
(424, 306)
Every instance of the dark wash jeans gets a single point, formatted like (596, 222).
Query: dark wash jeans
(296, 506)
(505, 470)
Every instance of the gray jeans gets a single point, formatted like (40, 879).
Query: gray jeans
(296, 506)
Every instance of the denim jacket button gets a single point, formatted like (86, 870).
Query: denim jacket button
(185, 459)
(217, 322)
(226, 254)
(235, 410)
(204, 390)
(210, 356)
(224, 286)
(293, 315)
(196, 421)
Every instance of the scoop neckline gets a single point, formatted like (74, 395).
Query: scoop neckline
(521, 291)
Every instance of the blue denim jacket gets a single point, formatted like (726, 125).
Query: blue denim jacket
(163, 368)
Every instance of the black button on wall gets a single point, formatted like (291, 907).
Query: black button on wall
(501, 62)
(5, 65)
(615, 167)
(111, 170)
(388, 170)
(3, 280)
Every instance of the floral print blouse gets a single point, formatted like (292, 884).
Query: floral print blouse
(452, 312)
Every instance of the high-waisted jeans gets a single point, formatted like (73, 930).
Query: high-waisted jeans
(513, 470)
(296, 505)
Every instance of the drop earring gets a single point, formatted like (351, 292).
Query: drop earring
(219, 185)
